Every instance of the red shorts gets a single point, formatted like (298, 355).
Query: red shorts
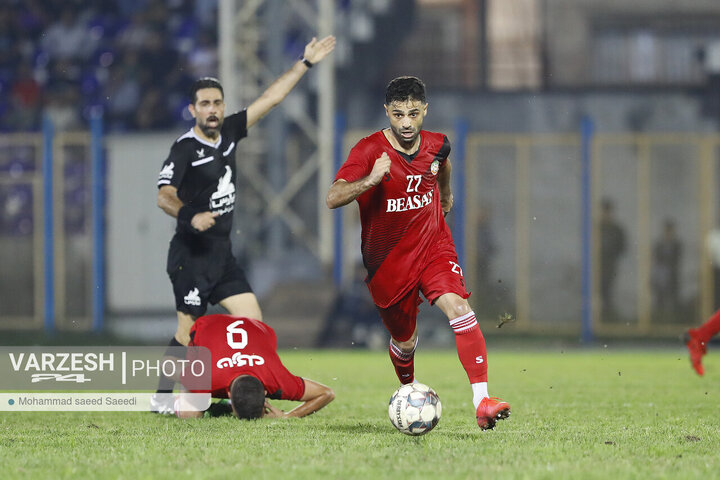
(442, 275)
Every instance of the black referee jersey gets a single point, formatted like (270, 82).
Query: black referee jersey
(204, 172)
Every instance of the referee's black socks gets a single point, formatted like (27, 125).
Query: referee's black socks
(167, 384)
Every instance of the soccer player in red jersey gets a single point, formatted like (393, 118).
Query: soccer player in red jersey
(400, 177)
(246, 369)
(696, 340)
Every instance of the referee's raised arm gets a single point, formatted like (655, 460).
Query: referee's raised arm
(314, 52)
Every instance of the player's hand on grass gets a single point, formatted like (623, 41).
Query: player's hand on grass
(203, 220)
(272, 411)
(316, 50)
(380, 169)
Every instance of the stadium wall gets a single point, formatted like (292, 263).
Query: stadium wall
(548, 112)
(138, 232)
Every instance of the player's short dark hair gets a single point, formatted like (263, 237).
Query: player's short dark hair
(247, 395)
(205, 82)
(402, 89)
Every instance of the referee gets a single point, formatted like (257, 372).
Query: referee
(196, 185)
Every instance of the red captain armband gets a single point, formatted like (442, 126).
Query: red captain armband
(185, 216)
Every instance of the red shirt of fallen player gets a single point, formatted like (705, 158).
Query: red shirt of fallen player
(245, 367)
(243, 346)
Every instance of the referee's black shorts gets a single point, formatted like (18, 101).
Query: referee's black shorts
(203, 269)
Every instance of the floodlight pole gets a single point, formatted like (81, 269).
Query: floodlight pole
(245, 72)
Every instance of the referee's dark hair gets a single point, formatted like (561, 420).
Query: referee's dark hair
(402, 89)
(205, 82)
(247, 395)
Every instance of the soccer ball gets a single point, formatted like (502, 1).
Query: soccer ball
(414, 409)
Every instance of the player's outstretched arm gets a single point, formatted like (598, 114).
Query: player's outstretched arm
(446, 196)
(343, 192)
(316, 396)
(315, 51)
(171, 204)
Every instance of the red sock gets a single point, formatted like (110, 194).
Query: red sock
(404, 363)
(708, 329)
(470, 347)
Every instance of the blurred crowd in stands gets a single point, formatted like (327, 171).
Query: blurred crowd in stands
(132, 59)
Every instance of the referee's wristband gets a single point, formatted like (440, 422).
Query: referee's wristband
(307, 62)
(185, 216)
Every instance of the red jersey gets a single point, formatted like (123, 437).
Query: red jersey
(403, 227)
(243, 346)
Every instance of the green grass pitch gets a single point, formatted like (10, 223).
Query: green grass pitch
(575, 414)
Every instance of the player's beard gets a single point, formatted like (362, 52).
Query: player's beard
(406, 142)
(208, 131)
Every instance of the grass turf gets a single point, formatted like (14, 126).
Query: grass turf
(575, 414)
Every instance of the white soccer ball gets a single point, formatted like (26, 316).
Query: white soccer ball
(414, 409)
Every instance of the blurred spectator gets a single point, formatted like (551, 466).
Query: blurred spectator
(713, 246)
(16, 210)
(64, 73)
(157, 57)
(486, 248)
(203, 58)
(31, 17)
(8, 42)
(129, 7)
(61, 107)
(206, 12)
(612, 247)
(152, 113)
(122, 94)
(69, 37)
(157, 15)
(665, 274)
(134, 34)
(491, 294)
(176, 86)
(73, 44)
(25, 96)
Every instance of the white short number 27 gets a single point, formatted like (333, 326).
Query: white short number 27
(456, 268)
(234, 329)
